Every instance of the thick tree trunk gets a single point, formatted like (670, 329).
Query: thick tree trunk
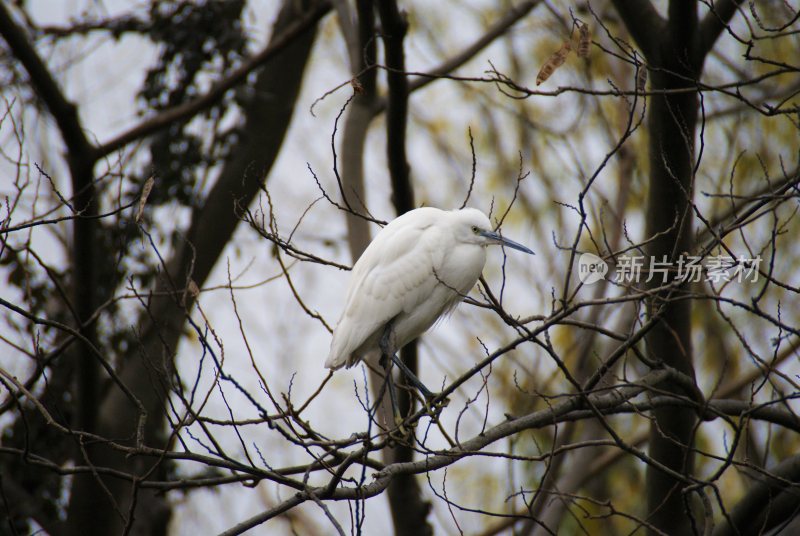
(408, 505)
(672, 123)
(104, 505)
(674, 62)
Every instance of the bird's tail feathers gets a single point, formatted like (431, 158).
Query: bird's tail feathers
(335, 361)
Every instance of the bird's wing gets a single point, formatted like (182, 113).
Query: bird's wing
(394, 275)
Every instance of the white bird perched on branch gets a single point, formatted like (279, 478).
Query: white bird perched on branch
(418, 268)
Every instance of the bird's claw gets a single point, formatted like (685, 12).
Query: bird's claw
(434, 403)
(399, 434)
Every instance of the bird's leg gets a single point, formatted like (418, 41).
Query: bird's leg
(373, 411)
(388, 351)
(412, 378)
(428, 396)
(386, 363)
(398, 417)
(387, 384)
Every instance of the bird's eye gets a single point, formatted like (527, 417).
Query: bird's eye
(475, 229)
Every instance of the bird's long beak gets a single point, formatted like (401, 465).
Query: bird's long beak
(491, 235)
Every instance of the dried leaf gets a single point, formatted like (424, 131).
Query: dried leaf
(357, 87)
(755, 15)
(192, 288)
(148, 187)
(641, 78)
(583, 41)
(554, 62)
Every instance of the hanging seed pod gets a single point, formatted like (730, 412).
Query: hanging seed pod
(583, 41)
(148, 187)
(554, 62)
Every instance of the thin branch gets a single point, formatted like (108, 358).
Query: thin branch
(712, 25)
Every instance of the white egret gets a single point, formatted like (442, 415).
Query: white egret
(418, 268)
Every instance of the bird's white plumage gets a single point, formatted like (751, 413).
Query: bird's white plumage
(416, 269)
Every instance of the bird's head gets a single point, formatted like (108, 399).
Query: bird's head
(473, 227)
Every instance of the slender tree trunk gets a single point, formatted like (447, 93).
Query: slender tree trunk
(408, 505)
(409, 510)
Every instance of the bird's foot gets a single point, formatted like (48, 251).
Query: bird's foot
(398, 418)
(400, 433)
(434, 403)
